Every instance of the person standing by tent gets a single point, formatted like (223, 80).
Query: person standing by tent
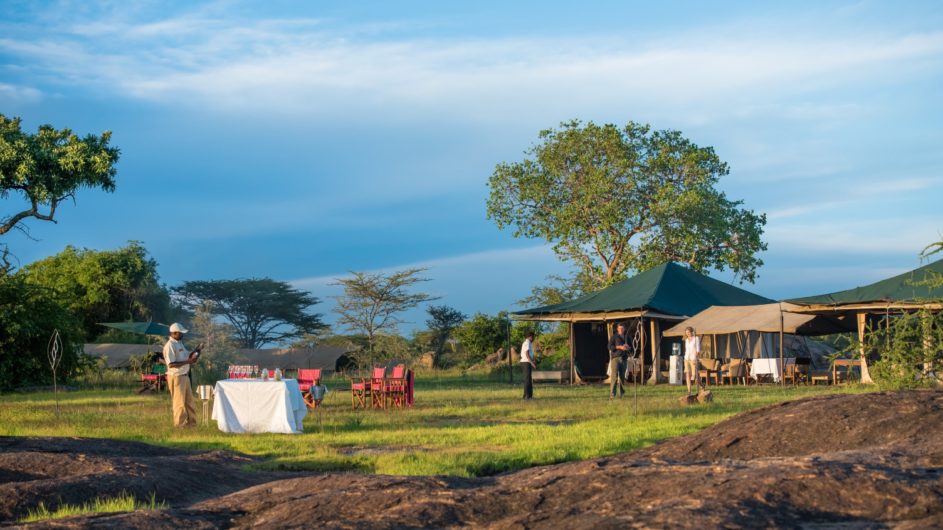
(692, 350)
(528, 364)
(618, 351)
(178, 361)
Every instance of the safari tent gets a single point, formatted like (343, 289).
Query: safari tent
(867, 305)
(753, 331)
(326, 358)
(648, 302)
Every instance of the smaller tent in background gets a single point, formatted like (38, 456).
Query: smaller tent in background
(753, 331)
(327, 358)
(118, 356)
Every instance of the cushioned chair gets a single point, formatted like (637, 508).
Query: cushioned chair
(709, 368)
(734, 371)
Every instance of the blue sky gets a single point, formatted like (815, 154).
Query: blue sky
(300, 142)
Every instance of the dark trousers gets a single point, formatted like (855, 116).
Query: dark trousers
(528, 380)
(615, 376)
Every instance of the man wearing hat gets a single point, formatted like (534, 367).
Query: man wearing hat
(178, 361)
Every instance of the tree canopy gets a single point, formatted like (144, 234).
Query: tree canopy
(29, 314)
(612, 200)
(46, 168)
(372, 302)
(260, 310)
(442, 321)
(103, 285)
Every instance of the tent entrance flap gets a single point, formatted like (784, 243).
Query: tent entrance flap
(590, 350)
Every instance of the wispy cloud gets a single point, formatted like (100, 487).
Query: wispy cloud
(307, 66)
(20, 94)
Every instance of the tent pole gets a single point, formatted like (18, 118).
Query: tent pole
(641, 357)
(572, 355)
(862, 325)
(782, 368)
(510, 355)
(656, 351)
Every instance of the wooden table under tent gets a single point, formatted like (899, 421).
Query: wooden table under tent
(647, 303)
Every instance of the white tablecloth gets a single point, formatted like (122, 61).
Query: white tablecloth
(769, 367)
(250, 405)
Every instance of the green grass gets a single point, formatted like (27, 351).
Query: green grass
(122, 503)
(460, 425)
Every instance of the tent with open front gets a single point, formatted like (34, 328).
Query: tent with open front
(647, 301)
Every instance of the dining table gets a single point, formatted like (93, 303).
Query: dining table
(769, 367)
(256, 406)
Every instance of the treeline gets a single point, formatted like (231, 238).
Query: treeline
(78, 289)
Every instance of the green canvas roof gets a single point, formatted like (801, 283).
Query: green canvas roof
(669, 288)
(899, 289)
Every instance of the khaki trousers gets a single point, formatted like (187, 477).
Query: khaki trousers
(182, 397)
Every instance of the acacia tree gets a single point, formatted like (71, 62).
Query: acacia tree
(260, 310)
(612, 200)
(371, 302)
(442, 321)
(46, 168)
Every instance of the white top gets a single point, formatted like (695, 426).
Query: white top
(692, 347)
(175, 352)
(527, 351)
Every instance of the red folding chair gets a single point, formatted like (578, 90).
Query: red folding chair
(395, 387)
(378, 388)
(307, 378)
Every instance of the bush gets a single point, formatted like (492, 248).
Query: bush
(909, 349)
(28, 317)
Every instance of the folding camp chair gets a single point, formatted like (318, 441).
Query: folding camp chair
(307, 378)
(395, 387)
(154, 378)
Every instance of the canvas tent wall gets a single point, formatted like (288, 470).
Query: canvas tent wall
(753, 331)
(656, 299)
(910, 291)
(118, 356)
(324, 357)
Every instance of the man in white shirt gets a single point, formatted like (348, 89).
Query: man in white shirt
(527, 363)
(178, 361)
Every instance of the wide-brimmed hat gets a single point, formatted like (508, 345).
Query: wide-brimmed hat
(177, 327)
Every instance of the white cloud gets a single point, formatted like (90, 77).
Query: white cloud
(19, 94)
(877, 234)
(305, 66)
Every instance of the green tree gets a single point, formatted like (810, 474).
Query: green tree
(260, 310)
(372, 302)
(28, 316)
(482, 335)
(103, 285)
(612, 200)
(442, 321)
(46, 168)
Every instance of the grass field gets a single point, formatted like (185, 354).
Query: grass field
(460, 425)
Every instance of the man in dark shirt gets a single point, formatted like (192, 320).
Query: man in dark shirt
(618, 350)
